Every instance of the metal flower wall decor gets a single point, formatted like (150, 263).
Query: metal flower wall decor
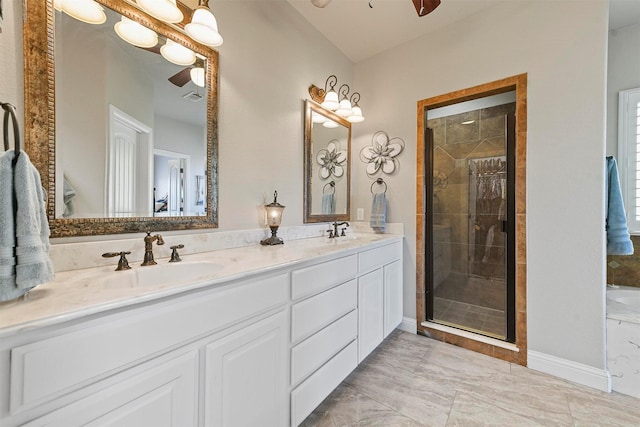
(331, 160)
(381, 155)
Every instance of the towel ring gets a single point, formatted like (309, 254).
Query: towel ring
(379, 181)
(331, 184)
(10, 110)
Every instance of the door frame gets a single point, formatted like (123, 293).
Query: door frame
(513, 353)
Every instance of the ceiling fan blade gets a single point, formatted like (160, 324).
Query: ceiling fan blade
(181, 78)
(154, 49)
(424, 7)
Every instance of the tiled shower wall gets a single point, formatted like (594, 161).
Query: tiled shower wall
(625, 270)
(455, 144)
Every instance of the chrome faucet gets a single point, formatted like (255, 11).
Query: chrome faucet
(334, 233)
(148, 248)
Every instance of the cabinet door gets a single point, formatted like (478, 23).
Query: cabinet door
(155, 394)
(370, 312)
(392, 296)
(246, 376)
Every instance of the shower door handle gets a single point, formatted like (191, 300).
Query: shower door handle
(503, 226)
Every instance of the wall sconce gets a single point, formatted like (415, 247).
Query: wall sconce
(203, 27)
(134, 33)
(274, 218)
(343, 106)
(164, 10)
(87, 11)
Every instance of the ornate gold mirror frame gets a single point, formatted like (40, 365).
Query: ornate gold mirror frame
(310, 216)
(39, 128)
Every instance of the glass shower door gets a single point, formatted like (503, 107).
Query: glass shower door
(469, 208)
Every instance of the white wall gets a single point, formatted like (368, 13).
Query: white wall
(563, 50)
(623, 73)
(269, 58)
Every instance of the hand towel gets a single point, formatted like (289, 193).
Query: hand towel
(8, 289)
(69, 193)
(378, 221)
(328, 204)
(618, 239)
(33, 265)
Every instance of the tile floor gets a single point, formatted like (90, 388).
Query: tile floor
(411, 380)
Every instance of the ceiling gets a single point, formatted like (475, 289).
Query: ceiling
(360, 31)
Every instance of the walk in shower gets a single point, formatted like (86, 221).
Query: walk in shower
(469, 249)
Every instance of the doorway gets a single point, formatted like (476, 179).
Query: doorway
(471, 272)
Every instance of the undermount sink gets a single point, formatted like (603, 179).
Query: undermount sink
(160, 274)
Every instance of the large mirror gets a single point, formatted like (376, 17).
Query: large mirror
(327, 165)
(124, 140)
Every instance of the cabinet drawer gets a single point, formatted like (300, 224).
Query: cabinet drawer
(310, 393)
(312, 353)
(376, 258)
(44, 370)
(315, 313)
(157, 395)
(311, 280)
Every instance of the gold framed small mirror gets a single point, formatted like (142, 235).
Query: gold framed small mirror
(56, 106)
(327, 165)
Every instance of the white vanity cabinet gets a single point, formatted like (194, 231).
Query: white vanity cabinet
(355, 303)
(324, 331)
(379, 296)
(143, 366)
(262, 348)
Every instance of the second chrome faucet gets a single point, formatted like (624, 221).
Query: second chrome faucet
(148, 247)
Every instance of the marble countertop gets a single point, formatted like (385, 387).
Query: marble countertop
(78, 293)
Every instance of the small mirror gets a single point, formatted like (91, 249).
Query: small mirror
(327, 165)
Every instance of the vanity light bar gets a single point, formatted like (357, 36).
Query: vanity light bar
(343, 106)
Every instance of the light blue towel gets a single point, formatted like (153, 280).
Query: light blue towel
(378, 221)
(618, 239)
(24, 239)
(328, 204)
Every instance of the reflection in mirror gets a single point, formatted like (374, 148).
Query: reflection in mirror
(132, 142)
(327, 139)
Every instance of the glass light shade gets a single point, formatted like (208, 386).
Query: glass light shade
(134, 33)
(84, 10)
(330, 100)
(177, 54)
(197, 76)
(317, 118)
(330, 124)
(274, 214)
(203, 28)
(356, 115)
(164, 10)
(344, 109)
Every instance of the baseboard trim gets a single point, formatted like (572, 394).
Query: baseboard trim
(408, 325)
(569, 370)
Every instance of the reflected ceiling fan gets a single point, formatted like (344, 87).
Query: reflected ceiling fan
(423, 7)
(183, 76)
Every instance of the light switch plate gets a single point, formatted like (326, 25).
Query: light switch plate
(360, 214)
